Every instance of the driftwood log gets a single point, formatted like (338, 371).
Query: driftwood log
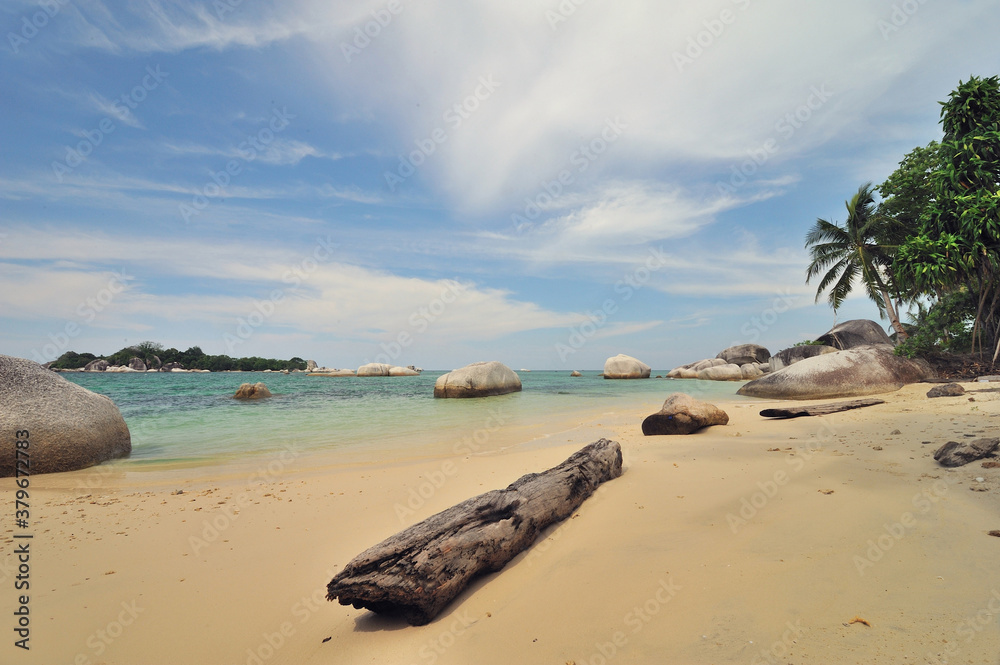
(821, 410)
(418, 571)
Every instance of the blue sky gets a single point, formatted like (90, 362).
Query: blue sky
(543, 183)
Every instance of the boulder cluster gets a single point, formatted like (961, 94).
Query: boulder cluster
(368, 370)
(134, 365)
(855, 358)
(737, 363)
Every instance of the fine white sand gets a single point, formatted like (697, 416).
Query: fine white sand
(758, 542)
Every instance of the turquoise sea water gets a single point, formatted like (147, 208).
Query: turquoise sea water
(192, 418)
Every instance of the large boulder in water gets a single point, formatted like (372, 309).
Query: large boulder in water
(403, 371)
(863, 370)
(252, 391)
(626, 367)
(482, 379)
(311, 365)
(137, 364)
(68, 427)
(743, 354)
(99, 365)
(682, 414)
(374, 369)
(858, 332)
(787, 357)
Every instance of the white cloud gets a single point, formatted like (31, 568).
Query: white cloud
(155, 26)
(115, 110)
(280, 151)
(318, 291)
(682, 106)
(558, 88)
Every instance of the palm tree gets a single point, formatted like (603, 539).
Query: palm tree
(859, 249)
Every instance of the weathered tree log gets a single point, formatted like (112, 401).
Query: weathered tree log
(418, 571)
(821, 410)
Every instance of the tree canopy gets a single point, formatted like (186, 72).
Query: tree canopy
(933, 241)
(193, 358)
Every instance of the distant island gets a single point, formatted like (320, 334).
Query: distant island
(147, 356)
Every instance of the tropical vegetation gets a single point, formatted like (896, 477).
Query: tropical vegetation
(932, 243)
(155, 355)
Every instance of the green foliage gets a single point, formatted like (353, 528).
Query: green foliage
(908, 191)
(929, 264)
(809, 342)
(945, 325)
(193, 358)
(148, 349)
(72, 360)
(122, 357)
(958, 244)
(860, 250)
(966, 201)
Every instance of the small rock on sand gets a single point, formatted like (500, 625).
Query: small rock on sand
(946, 390)
(954, 454)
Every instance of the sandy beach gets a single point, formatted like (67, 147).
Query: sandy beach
(757, 542)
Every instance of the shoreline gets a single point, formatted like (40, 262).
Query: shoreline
(659, 566)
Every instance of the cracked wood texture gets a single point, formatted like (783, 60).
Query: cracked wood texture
(418, 571)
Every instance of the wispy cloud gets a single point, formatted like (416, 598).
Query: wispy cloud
(112, 109)
(280, 151)
(330, 297)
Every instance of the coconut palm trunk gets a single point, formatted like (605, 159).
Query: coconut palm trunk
(854, 251)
